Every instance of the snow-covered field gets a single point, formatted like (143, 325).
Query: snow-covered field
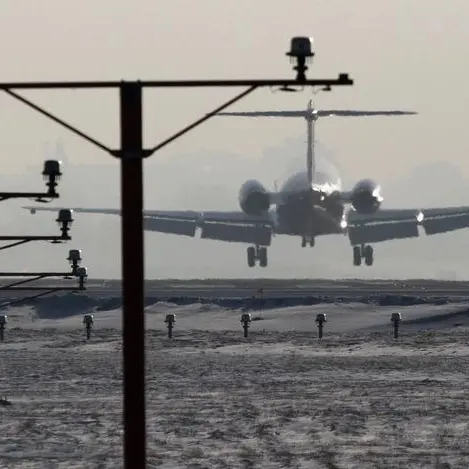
(280, 398)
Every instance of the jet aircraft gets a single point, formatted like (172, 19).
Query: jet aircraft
(309, 204)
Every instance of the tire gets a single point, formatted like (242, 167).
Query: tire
(251, 252)
(357, 256)
(368, 255)
(263, 257)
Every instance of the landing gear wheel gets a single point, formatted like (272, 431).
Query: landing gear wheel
(263, 257)
(307, 240)
(363, 252)
(368, 255)
(357, 255)
(256, 253)
(251, 252)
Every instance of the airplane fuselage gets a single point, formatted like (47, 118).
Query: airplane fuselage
(307, 213)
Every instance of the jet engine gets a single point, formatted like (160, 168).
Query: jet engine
(366, 197)
(253, 198)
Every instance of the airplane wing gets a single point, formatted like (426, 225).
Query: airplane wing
(388, 224)
(229, 226)
(235, 217)
(108, 211)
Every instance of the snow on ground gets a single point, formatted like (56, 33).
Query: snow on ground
(279, 398)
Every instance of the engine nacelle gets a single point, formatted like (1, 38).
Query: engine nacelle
(366, 197)
(253, 198)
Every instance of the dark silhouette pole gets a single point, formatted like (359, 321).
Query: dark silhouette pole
(131, 163)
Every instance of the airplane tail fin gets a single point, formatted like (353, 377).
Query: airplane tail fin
(310, 147)
(307, 114)
(311, 115)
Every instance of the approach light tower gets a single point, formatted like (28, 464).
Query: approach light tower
(131, 155)
(51, 173)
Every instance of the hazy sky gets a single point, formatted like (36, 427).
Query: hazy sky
(406, 54)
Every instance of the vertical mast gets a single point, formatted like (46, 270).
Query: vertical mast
(310, 156)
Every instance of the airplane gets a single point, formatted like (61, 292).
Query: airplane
(309, 204)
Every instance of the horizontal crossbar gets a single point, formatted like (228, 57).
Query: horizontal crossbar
(342, 80)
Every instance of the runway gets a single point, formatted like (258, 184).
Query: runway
(352, 305)
(348, 289)
(278, 398)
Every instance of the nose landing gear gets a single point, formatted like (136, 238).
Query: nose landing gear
(305, 240)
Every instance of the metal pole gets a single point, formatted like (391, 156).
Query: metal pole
(320, 330)
(133, 275)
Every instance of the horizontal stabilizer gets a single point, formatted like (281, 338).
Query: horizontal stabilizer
(318, 113)
(264, 114)
(353, 113)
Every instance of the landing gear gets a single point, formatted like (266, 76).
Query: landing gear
(307, 240)
(363, 252)
(257, 253)
(357, 255)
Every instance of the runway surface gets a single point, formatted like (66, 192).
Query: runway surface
(271, 288)
(279, 398)
(351, 305)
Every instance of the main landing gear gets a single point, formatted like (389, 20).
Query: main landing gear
(307, 240)
(257, 253)
(365, 251)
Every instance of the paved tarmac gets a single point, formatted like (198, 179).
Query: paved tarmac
(271, 288)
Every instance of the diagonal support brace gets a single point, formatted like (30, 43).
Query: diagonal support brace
(206, 117)
(57, 119)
